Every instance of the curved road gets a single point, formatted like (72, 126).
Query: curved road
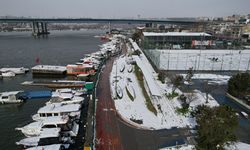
(113, 133)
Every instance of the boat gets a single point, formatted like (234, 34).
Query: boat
(48, 69)
(244, 114)
(119, 92)
(50, 147)
(131, 90)
(130, 68)
(73, 100)
(122, 68)
(86, 69)
(21, 70)
(56, 124)
(10, 97)
(57, 109)
(8, 74)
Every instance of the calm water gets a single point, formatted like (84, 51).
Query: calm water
(21, 49)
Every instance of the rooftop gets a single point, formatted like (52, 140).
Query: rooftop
(176, 34)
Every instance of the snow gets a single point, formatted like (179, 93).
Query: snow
(176, 34)
(238, 146)
(166, 117)
(213, 78)
(49, 67)
(184, 147)
(58, 108)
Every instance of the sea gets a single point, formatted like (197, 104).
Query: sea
(21, 49)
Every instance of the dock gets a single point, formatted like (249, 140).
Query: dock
(48, 69)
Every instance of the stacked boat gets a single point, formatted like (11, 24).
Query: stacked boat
(56, 123)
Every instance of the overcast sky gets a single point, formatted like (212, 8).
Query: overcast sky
(123, 8)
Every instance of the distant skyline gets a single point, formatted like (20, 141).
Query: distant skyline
(123, 8)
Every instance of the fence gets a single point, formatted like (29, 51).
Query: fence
(203, 60)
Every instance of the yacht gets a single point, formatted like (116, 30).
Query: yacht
(62, 124)
(57, 109)
(10, 97)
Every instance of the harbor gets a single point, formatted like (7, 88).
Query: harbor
(92, 98)
(21, 113)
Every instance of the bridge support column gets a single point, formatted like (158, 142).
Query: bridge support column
(39, 28)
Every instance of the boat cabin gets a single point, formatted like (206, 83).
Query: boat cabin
(80, 69)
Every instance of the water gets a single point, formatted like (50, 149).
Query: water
(21, 50)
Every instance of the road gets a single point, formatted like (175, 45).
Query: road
(113, 133)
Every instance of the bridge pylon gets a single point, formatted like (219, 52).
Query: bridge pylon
(39, 29)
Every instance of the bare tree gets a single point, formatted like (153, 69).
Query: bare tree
(207, 89)
(177, 80)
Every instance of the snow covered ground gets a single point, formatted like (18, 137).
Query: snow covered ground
(218, 60)
(212, 78)
(234, 146)
(136, 109)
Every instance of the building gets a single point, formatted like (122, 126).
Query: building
(176, 40)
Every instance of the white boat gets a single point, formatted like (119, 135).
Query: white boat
(131, 90)
(62, 124)
(10, 97)
(50, 147)
(130, 68)
(57, 109)
(119, 92)
(122, 68)
(21, 70)
(74, 100)
(8, 74)
(244, 114)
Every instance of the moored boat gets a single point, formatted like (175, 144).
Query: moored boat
(8, 74)
(10, 97)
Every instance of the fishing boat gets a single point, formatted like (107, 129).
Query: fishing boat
(57, 109)
(10, 97)
(8, 74)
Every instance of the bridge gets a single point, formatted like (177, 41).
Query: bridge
(39, 25)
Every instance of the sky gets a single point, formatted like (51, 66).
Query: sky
(123, 8)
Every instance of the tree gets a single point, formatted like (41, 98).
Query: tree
(190, 74)
(216, 127)
(177, 80)
(239, 85)
(207, 89)
(136, 36)
(161, 76)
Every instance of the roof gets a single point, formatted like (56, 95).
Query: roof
(176, 34)
(58, 107)
(49, 67)
(10, 93)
